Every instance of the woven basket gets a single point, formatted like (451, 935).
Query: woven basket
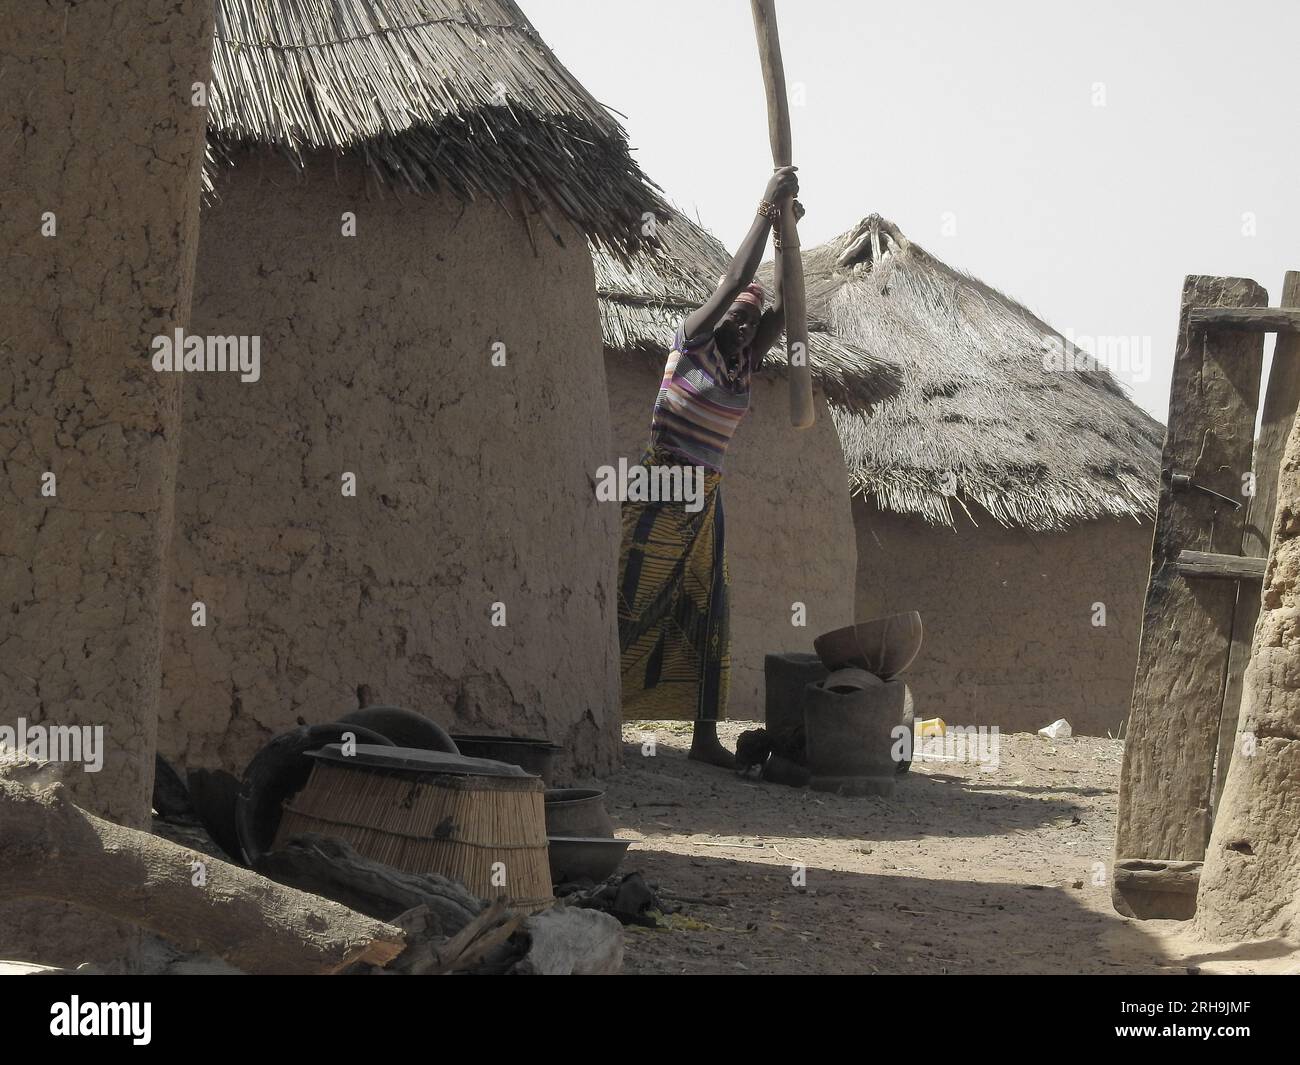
(487, 832)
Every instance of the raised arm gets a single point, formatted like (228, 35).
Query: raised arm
(773, 320)
(703, 320)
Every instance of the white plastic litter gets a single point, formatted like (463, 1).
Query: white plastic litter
(1057, 730)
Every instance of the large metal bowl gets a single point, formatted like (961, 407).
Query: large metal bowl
(883, 646)
(585, 858)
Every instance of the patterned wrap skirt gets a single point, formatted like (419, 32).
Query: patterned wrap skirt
(672, 606)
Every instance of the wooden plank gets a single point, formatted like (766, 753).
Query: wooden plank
(1220, 567)
(1173, 727)
(1280, 320)
(1281, 401)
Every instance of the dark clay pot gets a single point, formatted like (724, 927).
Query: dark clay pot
(575, 858)
(577, 812)
(277, 773)
(405, 728)
(534, 756)
(785, 676)
(214, 793)
(850, 737)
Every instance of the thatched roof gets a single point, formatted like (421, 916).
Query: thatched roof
(455, 94)
(643, 300)
(979, 421)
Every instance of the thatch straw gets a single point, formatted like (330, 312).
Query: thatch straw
(457, 827)
(643, 300)
(456, 94)
(979, 420)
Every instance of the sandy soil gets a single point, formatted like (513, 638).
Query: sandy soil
(965, 869)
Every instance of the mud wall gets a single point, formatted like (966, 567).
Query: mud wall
(99, 187)
(99, 182)
(472, 479)
(1008, 616)
(788, 524)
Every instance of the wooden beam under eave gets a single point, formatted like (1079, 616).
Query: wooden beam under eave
(1250, 319)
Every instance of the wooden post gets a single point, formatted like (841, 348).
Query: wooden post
(792, 287)
(1281, 400)
(1173, 726)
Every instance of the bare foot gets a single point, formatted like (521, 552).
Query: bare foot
(706, 747)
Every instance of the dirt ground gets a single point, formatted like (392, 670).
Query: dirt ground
(964, 869)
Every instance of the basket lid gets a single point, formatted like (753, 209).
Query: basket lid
(415, 760)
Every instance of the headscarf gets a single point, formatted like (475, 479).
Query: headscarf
(754, 294)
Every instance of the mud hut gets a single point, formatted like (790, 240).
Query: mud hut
(399, 507)
(1008, 491)
(790, 545)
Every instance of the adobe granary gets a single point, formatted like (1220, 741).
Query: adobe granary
(1006, 492)
(399, 207)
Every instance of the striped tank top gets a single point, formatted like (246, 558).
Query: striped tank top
(701, 400)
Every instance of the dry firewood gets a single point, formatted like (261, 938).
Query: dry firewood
(330, 867)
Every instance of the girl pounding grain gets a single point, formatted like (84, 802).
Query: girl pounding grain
(672, 606)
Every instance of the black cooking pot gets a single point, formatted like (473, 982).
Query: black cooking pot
(277, 773)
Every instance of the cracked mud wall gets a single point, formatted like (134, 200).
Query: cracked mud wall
(1250, 883)
(789, 527)
(1009, 639)
(473, 482)
(98, 131)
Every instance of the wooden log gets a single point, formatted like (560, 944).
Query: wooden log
(1281, 401)
(330, 867)
(52, 849)
(792, 282)
(1173, 726)
(1248, 319)
(1220, 567)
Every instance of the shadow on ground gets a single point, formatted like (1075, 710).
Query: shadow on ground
(924, 803)
(859, 923)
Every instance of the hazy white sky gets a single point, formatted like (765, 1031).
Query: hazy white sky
(1085, 156)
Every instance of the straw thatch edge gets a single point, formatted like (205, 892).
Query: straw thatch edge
(1021, 489)
(471, 101)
